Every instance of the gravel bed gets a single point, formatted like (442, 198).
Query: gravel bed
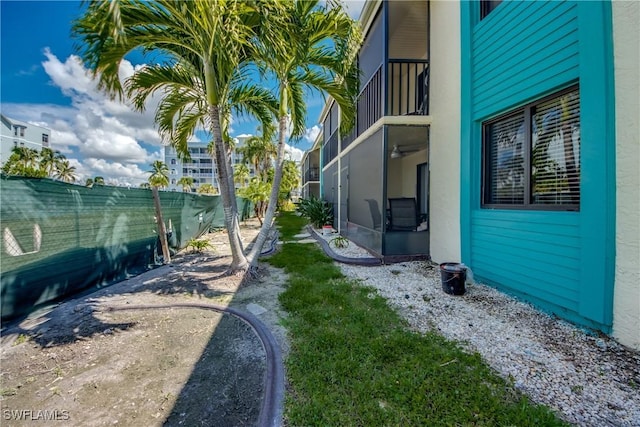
(587, 378)
(352, 250)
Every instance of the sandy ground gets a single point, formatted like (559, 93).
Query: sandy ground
(84, 364)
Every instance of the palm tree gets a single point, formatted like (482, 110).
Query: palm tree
(206, 48)
(290, 179)
(260, 152)
(159, 177)
(241, 174)
(186, 182)
(98, 180)
(50, 160)
(145, 186)
(207, 189)
(28, 157)
(314, 47)
(65, 172)
(23, 161)
(258, 192)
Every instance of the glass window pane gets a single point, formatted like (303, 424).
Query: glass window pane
(487, 6)
(555, 154)
(504, 162)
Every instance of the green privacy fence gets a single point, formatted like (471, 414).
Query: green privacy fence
(59, 238)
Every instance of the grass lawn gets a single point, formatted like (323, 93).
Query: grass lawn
(354, 363)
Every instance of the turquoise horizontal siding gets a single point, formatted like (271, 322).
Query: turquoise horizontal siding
(533, 51)
(523, 51)
(540, 254)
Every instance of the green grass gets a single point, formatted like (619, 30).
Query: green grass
(291, 226)
(354, 363)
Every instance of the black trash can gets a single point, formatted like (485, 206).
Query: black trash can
(453, 275)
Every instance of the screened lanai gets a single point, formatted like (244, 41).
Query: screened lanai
(379, 190)
(376, 177)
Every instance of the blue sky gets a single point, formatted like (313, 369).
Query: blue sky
(43, 82)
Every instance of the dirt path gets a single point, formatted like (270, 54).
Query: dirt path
(85, 365)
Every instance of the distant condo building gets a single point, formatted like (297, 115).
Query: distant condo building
(201, 167)
(16, 133)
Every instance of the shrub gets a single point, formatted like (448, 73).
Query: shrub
(339, 242)
(198, 245)
(317, 211)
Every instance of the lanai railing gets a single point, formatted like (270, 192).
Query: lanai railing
(407, 92)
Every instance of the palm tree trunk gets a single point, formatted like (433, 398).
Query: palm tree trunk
(232, 195)
(162, 232)
(238, 262)
(269, 215)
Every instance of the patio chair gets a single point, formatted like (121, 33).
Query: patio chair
(403, 214)
(376, 217)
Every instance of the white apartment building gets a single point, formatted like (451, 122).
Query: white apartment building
(201, 167)
(16, 133)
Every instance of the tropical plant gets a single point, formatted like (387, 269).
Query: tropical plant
(29, 162)
(339, 242)
(205, 49)
(50, 160)
(313, 47)
(259, 152)
(145, 185)
(198, 245)
(98, 180)
(317, 211)
(241, 174)
(65, 172)
(88, 182)
(206, 188)
(159, 177)
(187, 183)
(258, 192)
(23, 161)
(290, 180)
(208, 49)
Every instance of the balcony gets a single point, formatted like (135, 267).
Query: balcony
(394, 68)
(407, 92)
(311, 174)
(330, 148)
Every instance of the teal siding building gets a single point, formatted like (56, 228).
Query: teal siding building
(538, 166)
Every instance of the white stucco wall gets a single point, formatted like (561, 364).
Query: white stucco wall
(402, 174)
(444, 163)
(626, 307)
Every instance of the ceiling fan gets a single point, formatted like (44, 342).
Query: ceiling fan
(396, 153)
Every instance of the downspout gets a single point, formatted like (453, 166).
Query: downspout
(385, 128)
(339, 167)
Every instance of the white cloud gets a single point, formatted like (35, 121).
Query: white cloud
(293, 153)
(99, 136)
(115, 172)
(312, 133)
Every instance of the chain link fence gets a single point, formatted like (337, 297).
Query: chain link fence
(59, 238)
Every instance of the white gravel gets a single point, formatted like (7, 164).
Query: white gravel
(587, 378)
